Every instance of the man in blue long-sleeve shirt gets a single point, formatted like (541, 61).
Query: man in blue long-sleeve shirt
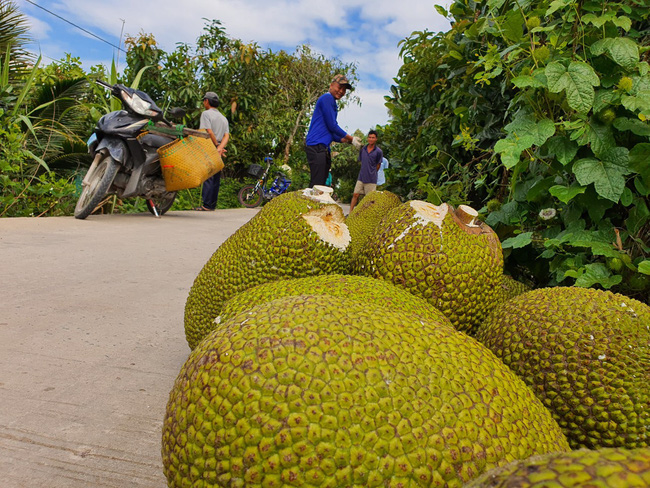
(324, 130)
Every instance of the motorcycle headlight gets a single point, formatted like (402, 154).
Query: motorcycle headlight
(138, 105)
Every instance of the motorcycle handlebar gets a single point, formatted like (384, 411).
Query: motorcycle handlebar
(172, 128)
(173, 131)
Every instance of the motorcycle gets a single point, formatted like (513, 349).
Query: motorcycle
(125, 147)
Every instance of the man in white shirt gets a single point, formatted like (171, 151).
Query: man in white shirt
(216, 125)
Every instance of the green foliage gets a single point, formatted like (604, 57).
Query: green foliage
(542, 106)
(266, 96)
(14, 36)
(24, 190)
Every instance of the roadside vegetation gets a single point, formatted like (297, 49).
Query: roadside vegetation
(536, 113)
(533, 112)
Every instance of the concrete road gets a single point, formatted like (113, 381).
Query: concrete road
(91, 341)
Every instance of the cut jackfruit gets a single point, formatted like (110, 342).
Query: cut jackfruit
(443, 255)
(292, 236)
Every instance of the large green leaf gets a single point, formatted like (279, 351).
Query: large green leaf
(633, 125)
(566, 194)
(597, 273)
(599, 136)
(511, 148)
(521, 240)
(513, 26)
(558, 5)
(536, 80)
(599, 20)
(577, 81)
(623, 51)
(604, 249)
(523, 132)
(644, 267)
(640, 102)
(526, 125)
(563, 148)
(607, 174)
(605, 98)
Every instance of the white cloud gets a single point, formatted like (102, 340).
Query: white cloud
(38, 29)
(365, 117)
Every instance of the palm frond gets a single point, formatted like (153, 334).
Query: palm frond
(14, 29)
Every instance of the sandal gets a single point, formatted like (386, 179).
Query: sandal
(204, 209)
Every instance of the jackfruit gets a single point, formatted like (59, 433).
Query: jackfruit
(509, 288)
(586, 355)
(321, 391)
(443, 255)
(604, 468)
(365, 217)
(294, 235)
(374, 293)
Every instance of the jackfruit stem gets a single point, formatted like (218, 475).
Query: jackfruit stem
(318, 193)
(467, 215)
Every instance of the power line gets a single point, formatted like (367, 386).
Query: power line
(77, 26)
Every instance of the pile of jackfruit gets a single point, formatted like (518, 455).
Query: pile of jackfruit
(387, 348)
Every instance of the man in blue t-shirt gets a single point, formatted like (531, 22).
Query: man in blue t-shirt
(324, 130)
(370, 157)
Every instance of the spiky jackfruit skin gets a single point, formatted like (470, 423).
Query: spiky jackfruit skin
(510, 288)
(376, 294)
(455, 271)
(586, 355)
(319, 391)
(277, 243)
(366, 215)
(604, 468)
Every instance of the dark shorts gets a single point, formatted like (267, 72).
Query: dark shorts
(320, 163)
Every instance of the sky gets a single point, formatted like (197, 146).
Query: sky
(366, 33)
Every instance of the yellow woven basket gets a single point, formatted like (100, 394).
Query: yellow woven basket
(188, 162)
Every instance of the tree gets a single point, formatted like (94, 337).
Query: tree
(301, 78)
(14, 36)
(266, 96)
(43, 116)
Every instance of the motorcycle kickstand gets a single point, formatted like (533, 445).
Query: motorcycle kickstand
(155, 210)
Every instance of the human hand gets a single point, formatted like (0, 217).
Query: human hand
(356, 142)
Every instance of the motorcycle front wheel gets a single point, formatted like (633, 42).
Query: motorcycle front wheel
(94, 190)
(250, 197)
(159, 206)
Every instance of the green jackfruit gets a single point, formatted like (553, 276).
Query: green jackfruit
(586, 355)
(604, 468)
(374, 293)
(365, 217)
(443, 255)
(320, 391)
(509, 288)
(294, 235)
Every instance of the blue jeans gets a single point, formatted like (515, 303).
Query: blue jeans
(210, 192)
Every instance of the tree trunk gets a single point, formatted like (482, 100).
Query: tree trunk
(292, 136)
